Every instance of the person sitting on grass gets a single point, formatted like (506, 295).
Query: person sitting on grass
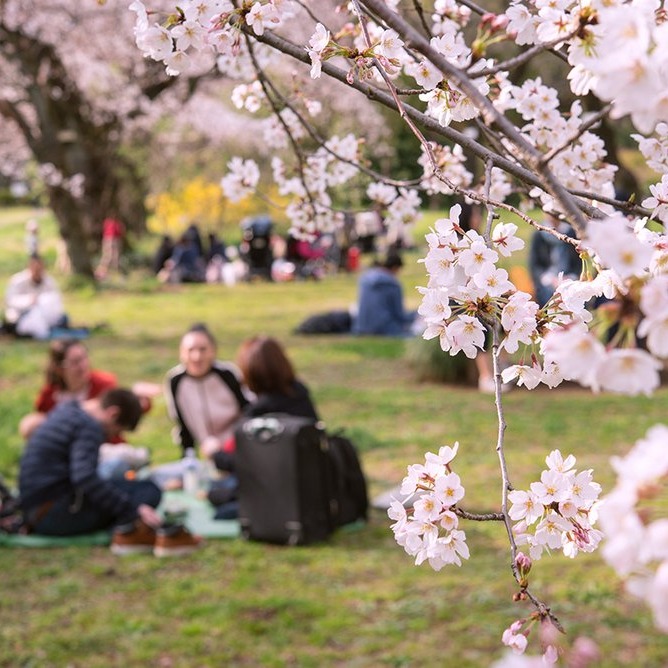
(380, 308)
(69, 376)
(33, 303)
(268, 373)
(61, 493)
(205, 397)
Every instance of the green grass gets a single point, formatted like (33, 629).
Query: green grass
(357, 600)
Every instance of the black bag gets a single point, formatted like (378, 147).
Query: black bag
(331, 322)
(284, 480)
(349, 484)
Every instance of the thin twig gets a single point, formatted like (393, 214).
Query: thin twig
(521, 58)
(420, 12)
(477, 517)
(590, 122)
(301, 161)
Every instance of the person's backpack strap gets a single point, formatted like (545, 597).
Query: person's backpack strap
(350, 485)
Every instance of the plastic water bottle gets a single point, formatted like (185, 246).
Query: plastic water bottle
(190, 472)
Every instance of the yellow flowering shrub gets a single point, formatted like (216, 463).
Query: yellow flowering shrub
(202, 202)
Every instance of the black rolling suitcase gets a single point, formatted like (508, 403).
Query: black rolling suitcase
(284, 480)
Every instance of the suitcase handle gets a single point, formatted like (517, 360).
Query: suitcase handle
(264, 429)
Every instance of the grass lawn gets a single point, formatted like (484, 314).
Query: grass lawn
(356, 600)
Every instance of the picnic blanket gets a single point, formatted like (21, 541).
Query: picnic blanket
(199, 520)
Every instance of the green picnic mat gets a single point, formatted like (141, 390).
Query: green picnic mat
(36, 540)
(200, 516)
(199, 520)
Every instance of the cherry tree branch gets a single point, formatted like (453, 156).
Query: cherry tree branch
(526, 153)
(377, 95)
(521, 58)
(477, 517)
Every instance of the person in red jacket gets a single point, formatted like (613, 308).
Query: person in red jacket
(113, 232)
(69, 376)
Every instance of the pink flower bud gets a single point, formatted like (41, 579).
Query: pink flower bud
(499, 22)
(551, 655)
(523, 563)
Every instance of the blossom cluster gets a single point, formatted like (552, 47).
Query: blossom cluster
(429, 531)
(579, 156)
(559, 511)
(203, 27)
(466, 289)
(616, 49)
(636, 544)
(655, 152)
(400, 208)
(569, 338)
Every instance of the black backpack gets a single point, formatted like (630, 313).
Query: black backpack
(331, 322)
(349, 489)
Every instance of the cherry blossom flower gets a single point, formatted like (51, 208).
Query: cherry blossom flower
(435, 306)
(505, 241)
(658, 202)
(448, 489)
(522, 374)
(241, 179)
(189, 33)
(476, 257)
(493, 281)
(525, 506)
(466, 333)
(319, 39)
(390, 45)
(553, 487)
(439, 330)
(513, 638)
(617, 246)
(629, 371)
(556, 462)
(425, 74)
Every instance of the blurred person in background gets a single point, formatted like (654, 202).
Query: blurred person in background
(33, 303)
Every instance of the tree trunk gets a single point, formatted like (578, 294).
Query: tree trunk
(86, 175)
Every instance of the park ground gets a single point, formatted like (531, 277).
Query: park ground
(356, 600)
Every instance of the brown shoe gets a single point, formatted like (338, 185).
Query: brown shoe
(133, 538)
(175, 540)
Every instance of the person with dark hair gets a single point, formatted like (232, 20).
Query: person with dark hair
(270, 375)
(193, 235)
(216, 247)
(33, 303)
(69, 376)
(61, 493)
(205, 397)
(380, 308)
(163, 253)
(60, 490)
